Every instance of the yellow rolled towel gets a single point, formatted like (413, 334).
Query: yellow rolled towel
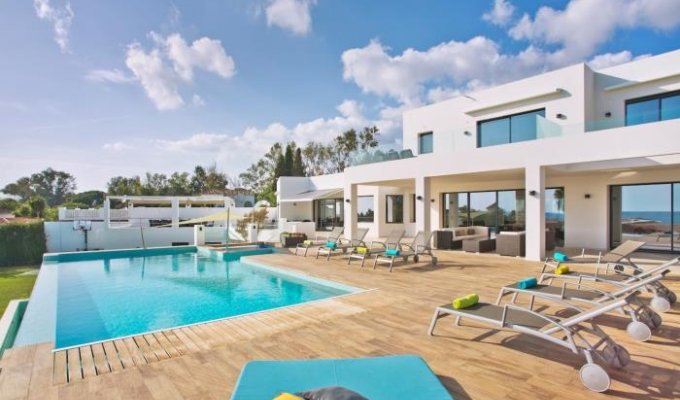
(287, 396)
(308, 242)
(466, 301)
(562, 269)
(362, 250)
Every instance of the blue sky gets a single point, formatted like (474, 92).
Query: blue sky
(123, 87)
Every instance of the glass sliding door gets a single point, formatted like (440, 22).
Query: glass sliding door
(554, 213)
(511, 210)
(456, 210)
(328, 213)
(483, 209)
(645, 213)
(675, 230)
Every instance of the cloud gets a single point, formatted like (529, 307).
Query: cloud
(500, 14)
(171, 62)
(582, 26)
(60, 17)
(117, 146)
(108, 75)
(197, 101)
(291, 15)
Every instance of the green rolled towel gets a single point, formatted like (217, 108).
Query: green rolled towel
(466, 301)
(392, 252)
(362, 250)
(308, 242)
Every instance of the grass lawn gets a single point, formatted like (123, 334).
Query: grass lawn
(16, 283)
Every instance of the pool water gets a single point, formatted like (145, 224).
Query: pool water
(110, 298)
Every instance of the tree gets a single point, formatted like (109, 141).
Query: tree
(288, 161)
(54, 186)
(21, 188)
(8, 204)
(121, 186)
(198, 180)
(179, 184)
(341, 149)
(155, 184)
(215, 180)
(298, 166)
(315, 157)
(261, 176)
(38, 205)
(24, 210)
(368, 138)
(91, 198)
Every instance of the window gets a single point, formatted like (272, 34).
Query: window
(328, 213)
(413, 208)
(394, 212)
(425, 143)
(655, 108)
(365, 209)
(509, 129)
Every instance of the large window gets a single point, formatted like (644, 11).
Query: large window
(413, 208)
(649, 213)
(365, 212)
(328, 213)
(425, 143)
(394, 210)
(509, 129)
(653, 108)
(554, 213)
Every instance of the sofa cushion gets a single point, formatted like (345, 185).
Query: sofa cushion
(471, 231)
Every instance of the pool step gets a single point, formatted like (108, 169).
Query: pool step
(80, 363)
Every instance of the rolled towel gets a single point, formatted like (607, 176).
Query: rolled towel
(562, 269)
(308, 242)
(362, 250)
(527, 283)
(392, 252)
(331, 245)
(466, 301)
(288, 396)
(561, 257)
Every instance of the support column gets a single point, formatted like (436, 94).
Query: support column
(534, 177)
(350, 208)
(107, 212)
(174, 203)
(423, 205)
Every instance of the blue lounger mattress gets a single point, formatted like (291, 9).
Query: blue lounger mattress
(377, 378)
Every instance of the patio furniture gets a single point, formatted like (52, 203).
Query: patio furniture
(643, 318)
(443, 240)
(343, 244)
(376, 378)
(514, 243)
(479, 245)
(332, 236)
(565, 332)
(391, 242)
(292, 239)
(420, 246)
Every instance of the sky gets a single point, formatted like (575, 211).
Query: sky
(100, 89)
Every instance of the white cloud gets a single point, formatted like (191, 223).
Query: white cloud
(586, 24)
(291, 15)
(60, 17)
(500, 14)
(117, 146)
(108, 75)
(172, 62)
(197, 101)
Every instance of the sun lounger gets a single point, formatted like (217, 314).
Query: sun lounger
(332, 236)
(663, 297)
(419, 247)
(568, 333)
(376, 378)
(644, 319)
(391, 242)
(343, 244)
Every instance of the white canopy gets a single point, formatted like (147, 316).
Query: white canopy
(311, 195)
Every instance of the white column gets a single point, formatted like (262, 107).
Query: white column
(423, 205)
(534, 177)
(174, 203)
(350, 208)
(107, 212)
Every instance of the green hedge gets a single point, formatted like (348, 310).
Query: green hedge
(22, 243)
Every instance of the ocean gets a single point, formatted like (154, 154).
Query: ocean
(659, 216)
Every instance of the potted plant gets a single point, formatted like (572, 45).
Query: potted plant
(292, 239)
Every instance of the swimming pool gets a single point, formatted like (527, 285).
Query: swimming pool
(99, 299)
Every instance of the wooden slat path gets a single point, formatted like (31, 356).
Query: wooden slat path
(84, 362)
(473, 362)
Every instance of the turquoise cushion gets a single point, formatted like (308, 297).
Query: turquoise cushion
(331, 245)
(392, 252)
(527, 283)
(561, 257)
(377, 378)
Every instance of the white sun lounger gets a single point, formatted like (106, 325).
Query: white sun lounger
(332, 236)
(571, 333)
(343, 244)
(420, 246)
(391, 242)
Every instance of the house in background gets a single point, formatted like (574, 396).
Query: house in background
(592, 156)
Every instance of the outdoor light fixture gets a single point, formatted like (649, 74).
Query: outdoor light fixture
(467, 133)
(431, 200)
(294, 204)
(607, 114)
(419, 197)
(587, 195)
(533, 193)
(561, 116)
(346, 200)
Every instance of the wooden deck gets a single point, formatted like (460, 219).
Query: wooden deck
(203, 361)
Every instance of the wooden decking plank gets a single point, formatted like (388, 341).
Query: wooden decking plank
(136, 355)
(123, 354)
(59, 369)
(100, 361)
(87, 362)
(112, 356)
(145, 349)
(186, 339)
(156, 347)
(175, 341)
(75, 372)
(41, 373)
(167, 346)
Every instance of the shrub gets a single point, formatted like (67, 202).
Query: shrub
(24, 210)
(22, 243)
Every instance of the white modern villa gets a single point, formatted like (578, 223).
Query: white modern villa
(591, 157)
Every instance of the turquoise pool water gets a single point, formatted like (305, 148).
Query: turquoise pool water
(109, 298)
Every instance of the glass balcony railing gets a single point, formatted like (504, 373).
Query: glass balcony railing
(378, 154)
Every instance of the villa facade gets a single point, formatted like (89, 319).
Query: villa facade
(591, 156)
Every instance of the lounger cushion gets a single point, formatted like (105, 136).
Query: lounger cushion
(331, 393)
(376, 378)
